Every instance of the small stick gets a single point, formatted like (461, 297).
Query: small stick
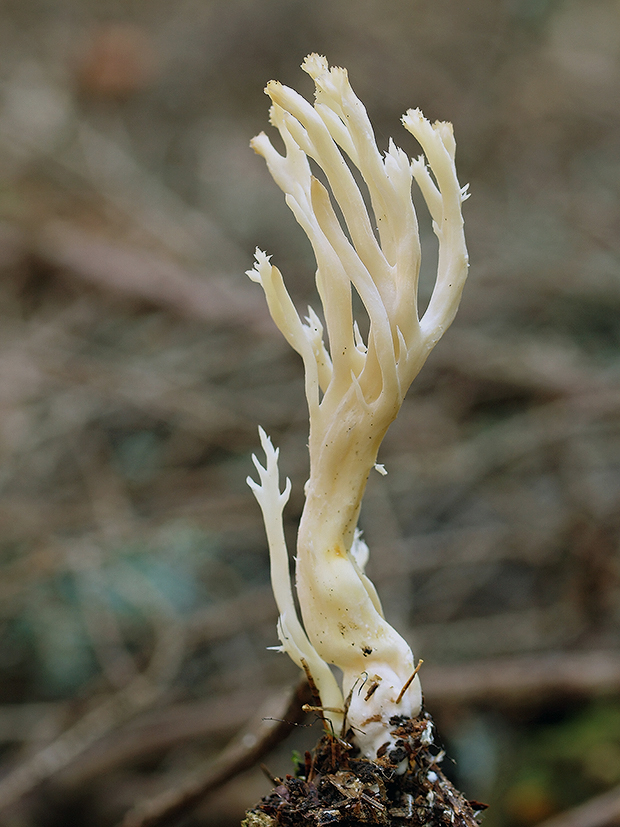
(409, 681)
(373, 688)
(313, 688)
(316, 697)
(347, 704)
(310, 708)
(171, 805)
(265, 770)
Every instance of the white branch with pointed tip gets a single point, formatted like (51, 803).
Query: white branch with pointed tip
(354, 387)
(293, 639)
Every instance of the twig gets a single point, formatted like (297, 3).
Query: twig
(71, 743)
(138, 694)
(140, 274)
(156, 731)
(545, 368)
(245, 751)
(601, 811)
(506, 680)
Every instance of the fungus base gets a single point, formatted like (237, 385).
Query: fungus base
(404, 786)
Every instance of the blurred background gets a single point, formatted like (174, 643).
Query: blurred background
(136, 361)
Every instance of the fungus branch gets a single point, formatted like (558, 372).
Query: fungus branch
(354, 387)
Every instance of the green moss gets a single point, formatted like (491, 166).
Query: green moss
(257, 819)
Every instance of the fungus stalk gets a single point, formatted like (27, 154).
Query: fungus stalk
(354, 387)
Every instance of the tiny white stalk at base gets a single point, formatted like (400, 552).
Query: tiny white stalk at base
(354, 387)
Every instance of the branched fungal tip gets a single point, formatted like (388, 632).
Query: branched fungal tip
(354, 384)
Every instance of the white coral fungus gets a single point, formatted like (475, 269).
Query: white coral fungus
(354, 387)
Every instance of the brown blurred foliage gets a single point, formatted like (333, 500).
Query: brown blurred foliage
(136, 363)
